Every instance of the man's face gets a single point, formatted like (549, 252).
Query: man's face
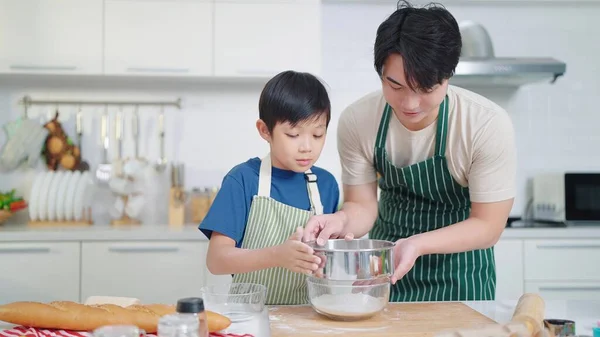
(415, 110)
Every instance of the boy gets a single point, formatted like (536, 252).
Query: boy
(256, 220)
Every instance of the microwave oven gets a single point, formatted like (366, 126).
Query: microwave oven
(568, 197)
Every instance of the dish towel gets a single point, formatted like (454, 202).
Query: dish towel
(21, 331)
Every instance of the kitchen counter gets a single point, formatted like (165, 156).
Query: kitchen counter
(585, 314)
(552, 233)
(191, 233)
(100, 233)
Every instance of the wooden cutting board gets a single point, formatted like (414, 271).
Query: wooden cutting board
(398, 320)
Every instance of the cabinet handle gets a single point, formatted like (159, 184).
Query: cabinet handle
(34, 67)
(142, 249)
(24, 250)
(568, 246)
(157, 70)
(570, 288)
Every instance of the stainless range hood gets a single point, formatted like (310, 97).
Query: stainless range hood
(479, 67)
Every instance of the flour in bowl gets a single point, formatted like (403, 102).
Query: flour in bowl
(348, 305)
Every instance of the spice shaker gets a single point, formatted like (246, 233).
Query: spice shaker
(194, 306)
(189, 321)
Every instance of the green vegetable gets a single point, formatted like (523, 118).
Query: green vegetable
(7, 198)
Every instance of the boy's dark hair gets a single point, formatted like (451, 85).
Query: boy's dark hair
(427, 38)
(293, 97)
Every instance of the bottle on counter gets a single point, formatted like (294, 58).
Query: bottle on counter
(189, 321)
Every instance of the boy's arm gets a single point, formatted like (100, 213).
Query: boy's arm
(225, 258)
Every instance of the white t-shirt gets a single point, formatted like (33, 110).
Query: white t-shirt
(480, 148)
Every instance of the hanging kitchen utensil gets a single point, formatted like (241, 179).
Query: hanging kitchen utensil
(135, 129)
(118, 164)
(134, 166)
(83, 165)
(103, 171)
(161, 163)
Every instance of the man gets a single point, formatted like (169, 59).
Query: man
(443, 158)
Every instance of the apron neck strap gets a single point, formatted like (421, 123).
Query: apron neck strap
(441, 133)
(264, 177)
(442, 128)
(264, 184)
(313, 192)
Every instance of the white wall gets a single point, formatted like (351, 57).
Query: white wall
(555, 124)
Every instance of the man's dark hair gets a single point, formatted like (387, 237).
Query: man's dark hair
(427, 38)
(293, 97)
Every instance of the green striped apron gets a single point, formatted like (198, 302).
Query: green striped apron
(424, 197)
(271, 223)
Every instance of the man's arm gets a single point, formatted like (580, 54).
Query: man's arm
(360, 209)
(225, 258)
(481, 230)
(359, 177)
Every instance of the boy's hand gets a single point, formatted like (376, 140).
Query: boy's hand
(296, 255)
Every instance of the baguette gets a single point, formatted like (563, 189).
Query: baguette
(66, 315)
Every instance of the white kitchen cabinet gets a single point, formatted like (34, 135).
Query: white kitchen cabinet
(39, 271)
(58, 36)
(159, 37)
(509, 269)
(263, 38)
(571, 290)
(562, 260)
(154, 272)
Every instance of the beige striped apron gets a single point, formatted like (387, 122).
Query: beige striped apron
(271, 223)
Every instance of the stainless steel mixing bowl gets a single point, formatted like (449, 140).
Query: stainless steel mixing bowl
(358, 259)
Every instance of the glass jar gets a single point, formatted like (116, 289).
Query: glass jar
(200, 204)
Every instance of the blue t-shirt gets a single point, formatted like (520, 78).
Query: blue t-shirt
(229, 212)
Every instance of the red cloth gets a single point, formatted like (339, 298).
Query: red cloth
(33, 332)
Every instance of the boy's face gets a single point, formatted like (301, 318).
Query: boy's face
(295, 148)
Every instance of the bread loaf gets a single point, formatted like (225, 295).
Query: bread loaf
(68, 315)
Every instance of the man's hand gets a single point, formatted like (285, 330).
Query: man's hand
(406, 252)
(326, 226)
(297, 256)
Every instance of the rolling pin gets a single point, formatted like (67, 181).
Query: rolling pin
(530, 312)
(527, 321)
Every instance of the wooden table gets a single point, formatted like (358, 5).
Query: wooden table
(398, 320)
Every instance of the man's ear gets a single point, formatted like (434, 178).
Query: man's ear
(263, 130)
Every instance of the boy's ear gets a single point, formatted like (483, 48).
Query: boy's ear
(263, 130)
